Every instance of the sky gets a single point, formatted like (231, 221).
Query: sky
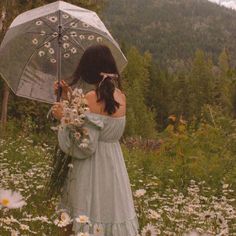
(226, 3)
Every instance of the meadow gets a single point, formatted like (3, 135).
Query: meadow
(185, 185)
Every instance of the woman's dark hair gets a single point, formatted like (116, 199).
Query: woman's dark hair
(95, 60)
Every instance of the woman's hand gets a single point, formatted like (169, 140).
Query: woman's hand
(65, 89)
(57, 110)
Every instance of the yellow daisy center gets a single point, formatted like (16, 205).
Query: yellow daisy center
(5, 202)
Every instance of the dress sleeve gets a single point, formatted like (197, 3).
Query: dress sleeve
(94, 126)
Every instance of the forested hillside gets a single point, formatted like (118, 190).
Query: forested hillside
(173, 29)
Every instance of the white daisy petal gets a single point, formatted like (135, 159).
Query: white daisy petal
(35, 41)
(52, 60)
(66, 55)
(55, 34)
(73, 34)
(73, 24)
(66, 45)
(42, 33)
(47, 45)
(51, 51)
(53, 19)
(65, 37)
(41, 53)
(91, 37)
(65, 16)
(85, 25)
(73, 50)
(99, 39)
(82, 37)
(10, 199)
(39, 22)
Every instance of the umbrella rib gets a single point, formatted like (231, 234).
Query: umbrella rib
(76, 43)
(37, 33)
(49, 26)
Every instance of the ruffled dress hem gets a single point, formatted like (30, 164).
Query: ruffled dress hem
(129, 227)
(126, 228)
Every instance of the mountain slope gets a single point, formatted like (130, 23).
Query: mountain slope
(173, 29)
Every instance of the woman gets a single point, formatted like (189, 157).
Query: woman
(98, 184)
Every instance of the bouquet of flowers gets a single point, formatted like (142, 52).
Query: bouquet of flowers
(73, 118)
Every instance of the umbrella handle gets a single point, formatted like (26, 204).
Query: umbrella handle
(59, 92)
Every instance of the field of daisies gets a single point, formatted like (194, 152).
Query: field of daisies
(185, 185)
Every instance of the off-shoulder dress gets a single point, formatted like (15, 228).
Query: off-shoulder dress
(98, 185)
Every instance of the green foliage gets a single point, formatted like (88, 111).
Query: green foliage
(136, 79)
(185, 90)
(207, 154)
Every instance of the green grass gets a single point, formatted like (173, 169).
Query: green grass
(190, 181)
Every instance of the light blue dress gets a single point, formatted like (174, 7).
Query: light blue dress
(98, 185)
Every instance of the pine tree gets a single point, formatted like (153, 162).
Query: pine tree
(140, 119)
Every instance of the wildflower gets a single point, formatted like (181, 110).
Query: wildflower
(149, 230)
(83, 145)
(83, 234)
(11, 199)
(24, 227)
(139, 193)
(14, 233)
(82, 219)
(153, 214)
(98, 230)
(63, 221)
(70, 165)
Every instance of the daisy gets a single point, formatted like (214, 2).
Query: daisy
(65, 37)
(42, 32)
(73, 24)
(14, 233)
(73, 50)
(52, 60)
(153, 214)
(65, 16)
(82, 37)
(63, 221)
(47, 45)
(66, 55)
(11, 199)
(90, 37)
(39, 22)
(149, 230)
(66, 45)
(35, 41)
(83, 145)
(73, 34)
(99, 39)
(51, 51)
(53, 19)
(139, 193)
(70, 165)
(85, 25)
(82, 234)
(98, 230)
(82, 219)
(41, 53)
(55, 34)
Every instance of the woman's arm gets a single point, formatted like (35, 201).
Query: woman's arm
(74, 148)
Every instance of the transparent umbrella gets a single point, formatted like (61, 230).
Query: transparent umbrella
(45, 44)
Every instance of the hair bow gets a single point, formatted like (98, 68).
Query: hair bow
(107, 75)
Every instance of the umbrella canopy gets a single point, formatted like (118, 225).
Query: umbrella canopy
(45, 44)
